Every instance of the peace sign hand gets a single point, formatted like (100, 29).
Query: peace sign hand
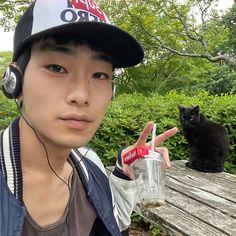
(142, 142)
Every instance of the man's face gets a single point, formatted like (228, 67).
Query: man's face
(66, 92)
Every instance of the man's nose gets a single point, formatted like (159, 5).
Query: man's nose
(79, 90)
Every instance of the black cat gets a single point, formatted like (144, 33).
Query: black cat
(208, 141)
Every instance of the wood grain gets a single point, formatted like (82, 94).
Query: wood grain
(197, 203)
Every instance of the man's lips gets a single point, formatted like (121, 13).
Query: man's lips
(76, 121)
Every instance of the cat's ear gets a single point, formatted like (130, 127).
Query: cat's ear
(181, 108)
(196, 109)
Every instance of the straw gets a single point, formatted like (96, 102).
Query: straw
(153, 136)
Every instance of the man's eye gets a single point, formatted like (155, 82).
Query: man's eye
(56, 68)
(101, 76)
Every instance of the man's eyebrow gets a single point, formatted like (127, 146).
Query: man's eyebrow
(47, 46)
(57, 48)
(103, 57)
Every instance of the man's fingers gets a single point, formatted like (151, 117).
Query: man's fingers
(144, 135)
(159, 139)
(162, 137)
(165, 154)
(142, 140)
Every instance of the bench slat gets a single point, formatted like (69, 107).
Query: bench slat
(204, 197)
(205, 213)
(176, 222)
(217, 183)
(197, 203)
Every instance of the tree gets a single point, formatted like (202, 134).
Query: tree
(10, 11)
(223, 80)
(162, 69)
(229, 21)
(179, 48)
(189, 37)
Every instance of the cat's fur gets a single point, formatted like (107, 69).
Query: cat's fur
(208, 141)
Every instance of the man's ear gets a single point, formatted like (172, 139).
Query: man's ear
(196, 109)
(180, 107)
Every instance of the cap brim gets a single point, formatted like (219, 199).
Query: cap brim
(126, 50)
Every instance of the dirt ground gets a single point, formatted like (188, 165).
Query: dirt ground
(139, 230)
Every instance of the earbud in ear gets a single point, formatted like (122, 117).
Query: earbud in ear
(11, 82)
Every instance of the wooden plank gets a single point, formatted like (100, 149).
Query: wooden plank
(204, 212)
(185, 216)
(176, 222)
(180, 164)
(203, 197)
(220, 184)
(197, 203)
(222, 176)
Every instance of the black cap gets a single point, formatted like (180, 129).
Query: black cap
(44, 18)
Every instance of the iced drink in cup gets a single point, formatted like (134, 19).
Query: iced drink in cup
(149, 173)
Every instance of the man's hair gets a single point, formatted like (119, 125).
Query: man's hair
(23, 59)
(63, 39)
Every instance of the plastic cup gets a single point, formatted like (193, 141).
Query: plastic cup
(149, 173)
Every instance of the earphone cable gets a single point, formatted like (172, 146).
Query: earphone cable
(45, 148)
(49, 163)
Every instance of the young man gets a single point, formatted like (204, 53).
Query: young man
(61, 77)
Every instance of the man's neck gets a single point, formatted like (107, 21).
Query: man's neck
(39, 154)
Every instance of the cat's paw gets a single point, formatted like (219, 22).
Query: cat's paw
(188, 164)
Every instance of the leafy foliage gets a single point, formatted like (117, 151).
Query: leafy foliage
(223, 80)
(142, 222)
(128, 114)
(8, 111)
(5, 59)
(181, 40)
(10, 12)
(229, 21)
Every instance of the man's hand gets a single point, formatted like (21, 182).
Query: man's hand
(142, 142)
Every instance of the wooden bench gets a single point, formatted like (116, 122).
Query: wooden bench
(197, 203)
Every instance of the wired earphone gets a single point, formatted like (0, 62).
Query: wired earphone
(12, 86)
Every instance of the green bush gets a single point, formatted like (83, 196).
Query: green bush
(129, 113)
(7, 111)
